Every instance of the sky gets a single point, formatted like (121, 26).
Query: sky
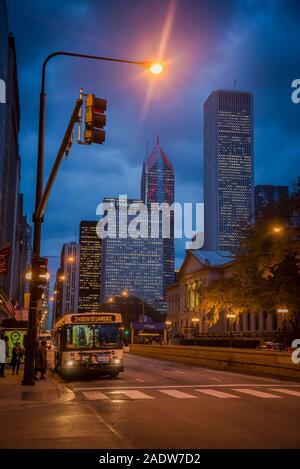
(206, 45)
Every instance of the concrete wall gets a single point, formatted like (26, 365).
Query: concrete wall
(269, 363)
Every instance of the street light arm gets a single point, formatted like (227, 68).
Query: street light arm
(86, 56)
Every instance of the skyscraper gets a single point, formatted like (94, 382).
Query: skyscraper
(228, 168)
(157, 186)
(90, 265)
(266, 195)
(131, 264)
(67, 281)
(10, 172)
(3, 76)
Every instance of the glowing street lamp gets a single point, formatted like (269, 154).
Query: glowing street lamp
(28, 275)
(156, 68)
(111, 300)
(124, 293)
(71, 259)
(277, 229)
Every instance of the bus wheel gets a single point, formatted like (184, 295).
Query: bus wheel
(114, 375)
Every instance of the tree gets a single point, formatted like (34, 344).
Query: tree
(266, 274)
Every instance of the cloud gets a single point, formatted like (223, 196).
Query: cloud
(211, 44)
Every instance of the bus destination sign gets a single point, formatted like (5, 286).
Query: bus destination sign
(93, 318)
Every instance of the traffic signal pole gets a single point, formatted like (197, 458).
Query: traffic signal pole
(35, 288)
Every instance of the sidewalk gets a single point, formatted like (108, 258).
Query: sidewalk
(14, 395)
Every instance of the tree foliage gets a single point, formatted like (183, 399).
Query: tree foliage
(266, 274)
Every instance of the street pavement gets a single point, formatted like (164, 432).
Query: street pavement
(160, 404)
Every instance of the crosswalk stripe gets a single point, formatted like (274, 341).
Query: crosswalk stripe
(137, 395)
(177, 394)
(220, 394)
(289, 392)
(94, 395)
(254, 392)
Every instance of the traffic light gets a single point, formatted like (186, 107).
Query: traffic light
(42, 275)
(127, 332)
(95, 119)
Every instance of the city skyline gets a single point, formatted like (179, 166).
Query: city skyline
(212, 68)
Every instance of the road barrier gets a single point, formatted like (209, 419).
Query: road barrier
(259, 362)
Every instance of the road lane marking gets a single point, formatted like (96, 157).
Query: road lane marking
(136, 394)
(168, 386)
(289, 392)
(220, 394)
(140, 380)
(216, 379)
(178, 394)
(108, 425)
(254, 392)
(94, 395)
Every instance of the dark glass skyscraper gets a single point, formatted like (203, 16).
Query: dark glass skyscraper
(89, 270)
(267, 194)
(157, 186)
(228, 168)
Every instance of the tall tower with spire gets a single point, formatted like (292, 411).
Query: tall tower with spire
(157, 186)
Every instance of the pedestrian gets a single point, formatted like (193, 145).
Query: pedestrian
(6, 348)
(17, 355)
(41, 360)
(2, 354)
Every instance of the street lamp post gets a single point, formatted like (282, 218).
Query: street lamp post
(230, 316)
(283, 311)
(167, 331)
(28, 379)
(195, 322)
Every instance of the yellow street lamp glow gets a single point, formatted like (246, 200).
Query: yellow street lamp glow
(28, 275)
(156, 68)
(277, 229)
(168, 323)
(195, 319)
(62, 278)
(70, 258)
(110, 300)
(124, 293)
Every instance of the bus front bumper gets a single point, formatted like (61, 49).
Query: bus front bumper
(102, 368)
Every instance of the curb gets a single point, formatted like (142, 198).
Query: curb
(65, 395)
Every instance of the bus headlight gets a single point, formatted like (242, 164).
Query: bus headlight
(117, 361)
(70, 362)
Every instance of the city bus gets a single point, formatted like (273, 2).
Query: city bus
(89, 342)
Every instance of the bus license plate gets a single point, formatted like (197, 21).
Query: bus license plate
(103, 358)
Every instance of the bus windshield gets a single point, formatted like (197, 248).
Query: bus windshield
(92, 336)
